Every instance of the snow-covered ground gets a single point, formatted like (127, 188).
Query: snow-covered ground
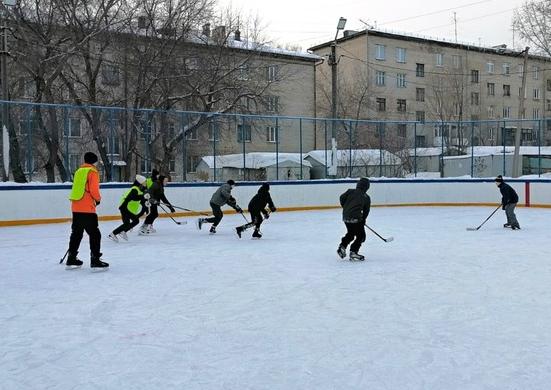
(438, 308)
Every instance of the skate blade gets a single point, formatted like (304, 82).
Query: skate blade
(72, 267)
(389, 239)
(98, 269)
(471, 229)
(113, 239)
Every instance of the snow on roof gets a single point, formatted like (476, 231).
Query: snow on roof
(509, 150)
(255, 160)
(426, 152)
(359, 157)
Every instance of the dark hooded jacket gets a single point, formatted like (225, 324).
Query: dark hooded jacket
(508, 194)
(356, 203)
(157, 191)
(262, 199)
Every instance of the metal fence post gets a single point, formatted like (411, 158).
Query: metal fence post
(503, 140)
(214, 136)
(300, 146)
(350, 147)
(325, 121)
(66, 132)
(415, 149)
(244, 150)
(277, 147)
(29, 143)
(184, 154)
(112, 139)
(472, 149)
(539, 147)
(380, 125)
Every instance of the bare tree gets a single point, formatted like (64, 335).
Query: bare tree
(532, 20)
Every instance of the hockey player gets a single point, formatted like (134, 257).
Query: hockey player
(221, 197)
(355, 209)
(152, 179)
(509, 201)
(257, 207)
(157, 193)
(132, 207)
(85, 196)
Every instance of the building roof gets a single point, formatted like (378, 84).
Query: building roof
(256, 160)
(499, 50)
(360, 157)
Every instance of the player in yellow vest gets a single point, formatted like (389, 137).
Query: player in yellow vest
(132, 207)
(84, 197)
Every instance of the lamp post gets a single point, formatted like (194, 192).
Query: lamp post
(333, 63)
(4, 146)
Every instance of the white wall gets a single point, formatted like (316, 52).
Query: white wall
(50, 201)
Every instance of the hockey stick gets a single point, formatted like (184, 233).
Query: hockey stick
(389, 239)
(64, 256)
(471, 229)
(192, 211)
(170, 216)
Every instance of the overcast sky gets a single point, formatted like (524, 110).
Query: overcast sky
(307, 22)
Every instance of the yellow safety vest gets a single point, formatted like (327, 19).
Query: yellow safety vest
(79, 183)
(134, 206)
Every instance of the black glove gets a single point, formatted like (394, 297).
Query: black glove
(97, 202)
(239, 209)
(503, 207)
(273, 209)
(266, 216)
(172, 210)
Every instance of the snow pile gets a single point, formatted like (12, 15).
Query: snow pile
(256, 160)
(360, 157)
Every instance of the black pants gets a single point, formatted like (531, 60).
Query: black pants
(129, 220)
(82, 222)
(218, 214)
(256, 218)
(354, 230)
(153, 214)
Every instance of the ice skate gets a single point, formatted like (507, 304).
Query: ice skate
(114, 237)
(257, 235)
(199, 222)
(341, 251)
(355, 256)
(239, 230)
(73, 263)
(124, 236)
(96, 264)
(212, 229)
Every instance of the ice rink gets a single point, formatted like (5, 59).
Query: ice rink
(438, 308)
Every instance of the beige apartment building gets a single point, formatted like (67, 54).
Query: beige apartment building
(393, 77)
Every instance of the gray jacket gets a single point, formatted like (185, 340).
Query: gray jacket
(223, 196)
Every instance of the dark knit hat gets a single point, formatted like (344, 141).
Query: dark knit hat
(231, 182)
(264, 187)
(161, 178)
(499, 179)
(90, 158)
(363, 184)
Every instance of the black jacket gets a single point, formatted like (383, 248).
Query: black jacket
(355, 205)
(261, 200)
(157, 192)
(133, 195)
(509, 195)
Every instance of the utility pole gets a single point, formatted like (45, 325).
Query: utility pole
(333, 61)
(518, 131)
(455, 24)
(4, 82)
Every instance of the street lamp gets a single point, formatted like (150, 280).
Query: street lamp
(333, 63)
(4, 139)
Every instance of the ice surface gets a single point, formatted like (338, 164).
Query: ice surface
(438, 308)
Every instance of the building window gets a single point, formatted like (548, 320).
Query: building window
(536, 113)
(491, 89)
(191, 163)
(439, 59)
(110, 75)
(549, 85)
(475, 98)
(506, 90)
(401, 55)
(506, 69)
(145, 166)
(243, 133)
(420, 116)
(420, 70)
(113, 145)
(380, 78)
(191, 135)
(456, 60)
(420, 94)
(191, 63)
(401, 80)
(420, 141)
(272, 104)
(527, 135)
(381, 104)
(272, 72)
(73, 128)
(506, 112)
(172, 165)
(491, 112)
(537, 94)
(474, 76)
(272, 134)
(548, 104)
(380, 52)
(401, 105)
(214, 131)
(74, 162)
(402, 130)
(243, 72)
(490, 67)
(536, 72)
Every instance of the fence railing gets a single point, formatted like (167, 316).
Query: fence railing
(47, 142)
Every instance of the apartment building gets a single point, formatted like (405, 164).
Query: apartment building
(409, 78)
